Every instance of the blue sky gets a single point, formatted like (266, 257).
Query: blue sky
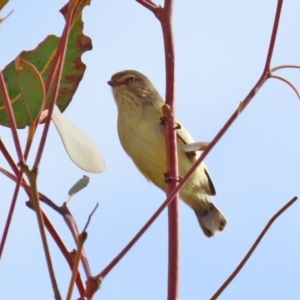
(220, 49)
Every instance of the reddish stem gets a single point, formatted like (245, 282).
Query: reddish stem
(70, 221)
(164, 15)
(10, 212)
(8, 157)
(165, 18)
(54, 77)
(11, 118)
(265, 75)
(273, 38)
(285, 66)
(149, 5)
(62, 247)
(288, 83)
(113, 263)
(249, 253)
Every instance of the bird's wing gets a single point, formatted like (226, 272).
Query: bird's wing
(209, 186)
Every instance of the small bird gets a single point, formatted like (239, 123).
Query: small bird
(141, 134)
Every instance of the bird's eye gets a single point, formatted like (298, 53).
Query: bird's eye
(131, 79)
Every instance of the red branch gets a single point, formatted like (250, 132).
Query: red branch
(249, 253)
(164, 15)
(8, 157)
(171, 151)
(10, 212)
(68, 256)
(288, 83)
(149, 5)
(11, 118)
(54, 76)
(70, 221)
(285, 67)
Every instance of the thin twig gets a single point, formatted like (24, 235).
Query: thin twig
(26, 187)
(62, 247)
(287, 82)
(285, 66)
(8, 157)
(68, 256)
(90, 217)
(54, 77)
(32, 177)
(81, 239)
(30, 136)
(71, 223)
(11, 118)
(249, 253)
(10, 212)
(149, 5)
(164, 15)
(4, 18)
(273, 37)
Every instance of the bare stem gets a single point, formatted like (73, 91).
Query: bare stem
(54, 77)
(288, 83)
(148, 4)
(249, 253)
(273, 37)
(284, 67)
(32, 177)
(30, 136)
(8, 157)
(70, 221)
(164, 15)
(62, 247)
(10, 213)
(80, 241)
(11, 117)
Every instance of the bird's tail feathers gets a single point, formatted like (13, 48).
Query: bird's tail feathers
(211, 221)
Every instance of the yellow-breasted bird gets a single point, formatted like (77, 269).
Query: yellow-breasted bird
(142, 137)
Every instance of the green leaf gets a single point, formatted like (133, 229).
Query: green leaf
(79, 185)
(42, 58)
(32, 92)
(80, 148)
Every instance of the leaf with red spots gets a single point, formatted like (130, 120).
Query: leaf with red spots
(41, 58)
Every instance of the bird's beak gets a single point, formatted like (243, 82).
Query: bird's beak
(112, 83)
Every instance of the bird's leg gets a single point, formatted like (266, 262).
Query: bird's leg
(163, 123)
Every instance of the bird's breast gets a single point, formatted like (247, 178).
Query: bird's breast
(142, 137)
